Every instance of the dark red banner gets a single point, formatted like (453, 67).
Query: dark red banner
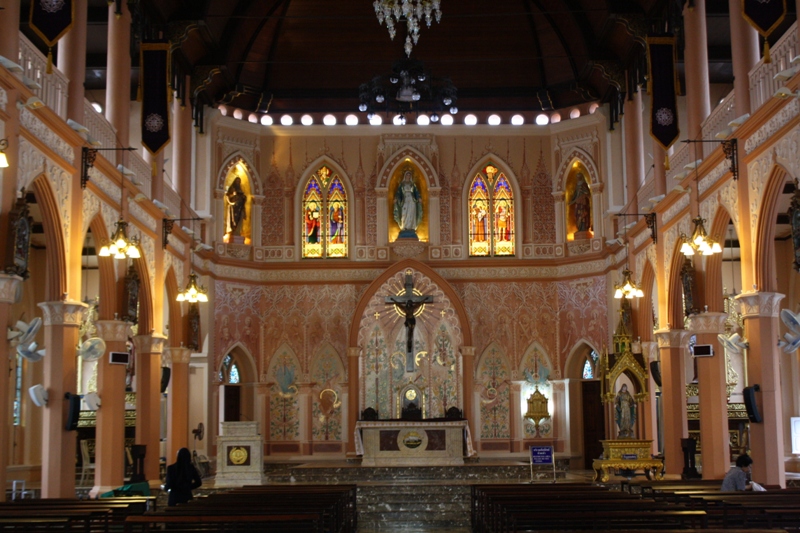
(51, 20)
(154, 79)
(663, 89)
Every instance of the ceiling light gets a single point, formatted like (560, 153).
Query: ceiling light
(412, 12)
(399, 120)
(434, 117)
(97, 107)
(252, 118)
(193, 292)
(542, 119)
(3, 158)
(470, 120)
(121, 246)
(555, 118)
(699, 241)
(306, 120)
(237, 114)
(266, 120)
(575, 113)
(223, 110)
(329, 120)
(627, 288)
(423, 120)
(376, 120)
(517, 120)
(447, 120)
(351, 120)
(494, 120)
(286, 120)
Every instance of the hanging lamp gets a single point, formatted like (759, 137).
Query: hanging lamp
(699, 242)
(193, 292)
(121, 246)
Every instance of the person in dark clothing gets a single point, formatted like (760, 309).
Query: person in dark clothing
(736, 478)
(182, 478)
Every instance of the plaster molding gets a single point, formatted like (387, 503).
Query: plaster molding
(672, 338)
(709, 322)
(779, 120)
(63, 313)
(759, 304)
(10, 289)
(149, 344)
(112, 330)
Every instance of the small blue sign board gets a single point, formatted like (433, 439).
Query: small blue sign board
(541, 455)
(629, 456)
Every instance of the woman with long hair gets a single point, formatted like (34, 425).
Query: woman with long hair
(182, 478)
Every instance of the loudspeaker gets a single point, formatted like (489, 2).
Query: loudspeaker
(74, 411)
(750, 403)
(166, 372)
(655, 371)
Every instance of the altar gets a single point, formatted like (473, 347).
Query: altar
(413, 443)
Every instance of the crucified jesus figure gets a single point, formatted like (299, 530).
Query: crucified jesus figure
(408, 304)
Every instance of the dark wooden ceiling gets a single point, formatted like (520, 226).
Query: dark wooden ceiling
(311, 55)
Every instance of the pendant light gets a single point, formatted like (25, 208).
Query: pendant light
(193, 292)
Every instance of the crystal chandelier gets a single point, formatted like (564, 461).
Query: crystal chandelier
(121, 246)
(627, 288)
(700, 241)
(413, 11)
(193, 292)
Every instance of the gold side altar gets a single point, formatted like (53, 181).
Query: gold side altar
(627, 454)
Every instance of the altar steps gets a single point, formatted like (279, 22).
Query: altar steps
(413, 507)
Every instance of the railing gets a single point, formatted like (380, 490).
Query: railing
(678, 159)
(142, 173)
(99, 128)
(53, 87)
(718, 121)
(646, 191)
(762, 84)
(172, 199)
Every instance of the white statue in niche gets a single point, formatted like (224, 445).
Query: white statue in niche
(407, 206)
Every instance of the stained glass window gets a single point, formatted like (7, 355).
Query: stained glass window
(589, 365)
(18, 393)
(229, 373)
(324, 216)
(233, 375)
(491, 214)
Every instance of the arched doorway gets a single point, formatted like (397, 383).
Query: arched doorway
(586, 415)
(236, 376)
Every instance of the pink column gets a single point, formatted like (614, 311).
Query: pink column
(353, 354)
(148, 401)
(178, 401)
(745, 52)
(118, 74)
(182, 152)
(698, 104)
(61, 323)
(156, 175)
(10, 287)
(634, 149)
(672, 345)
(110, 433)
(760, 312)
(468, 362)
(711, 375)
(72, 61)
(659, 170)
(9, 30)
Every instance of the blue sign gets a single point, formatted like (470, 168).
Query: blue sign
(541, 455)
(629, 457)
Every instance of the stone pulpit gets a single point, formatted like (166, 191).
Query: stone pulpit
(239, 455)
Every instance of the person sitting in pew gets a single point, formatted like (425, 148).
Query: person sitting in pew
(182, 478)
(736, 478)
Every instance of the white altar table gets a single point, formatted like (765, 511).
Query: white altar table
(412, 442)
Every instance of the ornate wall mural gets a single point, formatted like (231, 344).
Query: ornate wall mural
(284, 420)
(327, 374)
(493, 381)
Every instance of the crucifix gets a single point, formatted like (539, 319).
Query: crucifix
(407, 304)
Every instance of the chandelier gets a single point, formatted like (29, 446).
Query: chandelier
(699, 241)
(412, 11)
(627, 288)
(121, 246)
(193, 292)
(409, 89)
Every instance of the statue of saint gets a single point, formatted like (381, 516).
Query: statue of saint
(235, 200)
(581, 200)
(626, 413)
(407, 206)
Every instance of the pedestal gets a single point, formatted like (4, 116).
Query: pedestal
(239, 455)
(627, 454)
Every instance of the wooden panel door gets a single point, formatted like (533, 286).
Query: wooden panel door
(233, 398)
(593, 422)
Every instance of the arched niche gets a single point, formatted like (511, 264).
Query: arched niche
(581, 354)
(237, 169)
(493, 383)
(56, 277)
(645, 310)
(328, 373)
(395, 199)
(535, 369)
(578, 203)
(283, 375)
(766, 272)
(237, 374)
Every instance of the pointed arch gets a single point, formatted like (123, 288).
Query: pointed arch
(245, 361)
(424, 164)
(581, 350)
(105, 265)
(586, 159)
(234, 159)
(493, 380)
(534, 347)
(56, 281)
(765, 271)
(675, 311)
(712, 279)
(643, 317)
(176, 320)
(146, 317)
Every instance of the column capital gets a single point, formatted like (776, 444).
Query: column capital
(711, 322)
(650, 350)
(175, 355)
(759, 304)
(112, 330)
(153, 343)
(468, 351)
(672, 338)
(353, 351)
(10, 288)
(63, 313)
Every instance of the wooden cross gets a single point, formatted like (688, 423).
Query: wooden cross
(407, 304)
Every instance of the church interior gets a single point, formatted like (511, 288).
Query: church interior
(422, 240)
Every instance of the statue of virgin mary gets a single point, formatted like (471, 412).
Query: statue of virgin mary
(407, 207)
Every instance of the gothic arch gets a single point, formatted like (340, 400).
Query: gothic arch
(643, 317)
(245, 360)
(176, 319)
(573, 366)
(455, 300)
(765, 268)
(423, 163)
(581, 155)
(230, 162)
(675, 291)
(108, 278)
(145, 295)
(56, 280)
(712, 279)
(535, 345)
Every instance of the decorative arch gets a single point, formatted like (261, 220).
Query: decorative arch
(245, 360)
(766, 273)
(396, 160)
(675, 290)
(582, 156)
(108, 279)
(283, 372)
(493, 381)
(534, 347)
(232, 161)
(299, 193)
(56, 281)
(643, 317)
(176, 320)
(328, 372)
(713, 271)
(578, 355)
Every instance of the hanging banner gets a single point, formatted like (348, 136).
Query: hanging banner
(154, 80)
(664, 89)
(51, 20)
(764, 16)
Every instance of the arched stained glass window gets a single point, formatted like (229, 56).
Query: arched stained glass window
(589, 365)
(229, 373)
(324, 216)
(491, 214)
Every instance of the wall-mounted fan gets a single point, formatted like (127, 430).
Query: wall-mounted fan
(92, 400)
(24, 332)
(199, 432)
(38, 395)
(29, 352)
(734, 344)
(92, 349)
(792, 322)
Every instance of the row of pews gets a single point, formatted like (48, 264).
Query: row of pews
(280, 508)
(660, 506)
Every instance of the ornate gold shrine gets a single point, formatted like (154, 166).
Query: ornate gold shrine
(627, 454)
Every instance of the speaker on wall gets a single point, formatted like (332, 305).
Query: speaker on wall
(74, 411)
(655, 371)
(750, 403)
(166, 372)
